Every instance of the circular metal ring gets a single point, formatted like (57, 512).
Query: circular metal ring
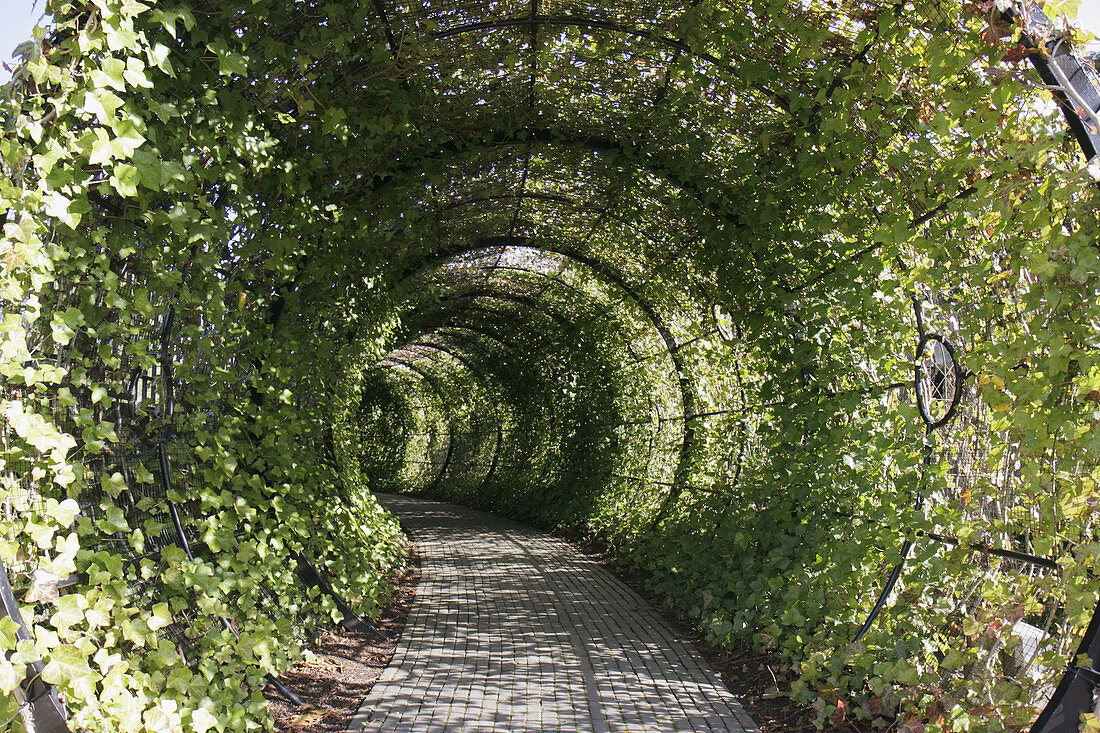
(938, 380)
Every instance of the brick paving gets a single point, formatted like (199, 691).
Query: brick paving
(514, 630)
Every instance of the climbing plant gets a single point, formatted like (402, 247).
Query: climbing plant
(656, 273)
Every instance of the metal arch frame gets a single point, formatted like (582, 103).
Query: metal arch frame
(703, 294)
(633, 152)
(530, 302)
(1058, 67)
(439, 392)
(956, 370)
(481, 380)
(505, 296)
(490, 336)
(684, 382)
(448, 413)
(532, 195)
(1063, 72)
(601, 269)
(695, 285)
(591, 25)
(43, 705)
(1052, 68)
(1088, 142)
(602, 310)
(462, 359)
(690, 185)
(484, 333)
(1048, 69)
(381, 382)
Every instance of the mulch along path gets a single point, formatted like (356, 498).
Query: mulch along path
(343, 667)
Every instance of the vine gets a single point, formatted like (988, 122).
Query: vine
(260, 261)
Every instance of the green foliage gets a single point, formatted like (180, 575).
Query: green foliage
(482, 266)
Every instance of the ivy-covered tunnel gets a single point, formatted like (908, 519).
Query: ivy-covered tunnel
(791, 304)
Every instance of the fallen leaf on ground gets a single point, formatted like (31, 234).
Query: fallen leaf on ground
(304, 720)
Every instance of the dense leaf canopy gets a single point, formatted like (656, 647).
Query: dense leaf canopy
(658, 272)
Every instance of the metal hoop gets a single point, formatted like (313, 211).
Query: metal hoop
(942, 383)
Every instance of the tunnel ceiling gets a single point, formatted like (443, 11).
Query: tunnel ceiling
(693, 153)
(666, 142)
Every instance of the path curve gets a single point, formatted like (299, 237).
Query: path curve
(514, 630)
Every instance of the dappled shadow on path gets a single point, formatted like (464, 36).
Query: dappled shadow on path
(514, 629)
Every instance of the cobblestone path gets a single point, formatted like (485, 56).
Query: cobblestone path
(515, 630)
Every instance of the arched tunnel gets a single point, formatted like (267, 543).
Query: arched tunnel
(790, 304)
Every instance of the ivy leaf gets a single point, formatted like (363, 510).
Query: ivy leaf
(104, 148)
(10, 676)
(202, 720)
(114, 485)
(159, 56)
(63, 512)
(120, 36)
(44, 587)
(171, 17)
(135, 74)
(110, 74)
(102, 104)
(160, 617)
(332, 120)
(101, 150)
(229, 62)
(142, 474)
(67, 665)
(150, 167)
(70, 611)
(59, 207)
(124, 179)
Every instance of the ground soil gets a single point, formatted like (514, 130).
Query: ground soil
(345, 665)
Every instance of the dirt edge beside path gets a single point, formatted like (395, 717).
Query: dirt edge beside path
(343, 666)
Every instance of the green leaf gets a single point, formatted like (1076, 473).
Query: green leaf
(110, 74)
(135, 74)
(64, 512)
(114, 485)
(102, 104)
(70, 611)
(10, 676)
(230, 63)
(142, 474)
(101, 150)
(161, 616)
(100, 394)
(150, 167)
(67, 666)
(124, 179)
(59, 207)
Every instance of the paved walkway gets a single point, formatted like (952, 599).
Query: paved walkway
(514, 630)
